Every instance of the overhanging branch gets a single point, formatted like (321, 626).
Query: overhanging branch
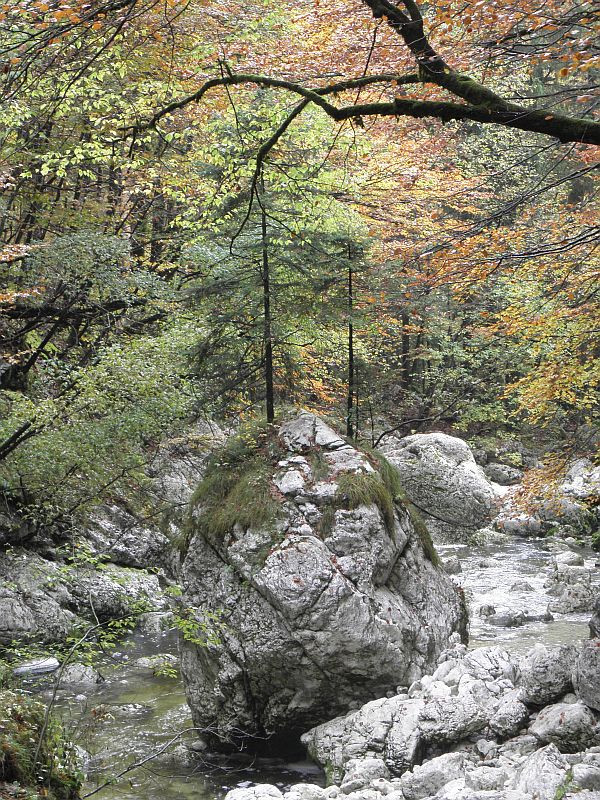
(560, 126)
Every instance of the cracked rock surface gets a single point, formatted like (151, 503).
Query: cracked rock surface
(315, 618)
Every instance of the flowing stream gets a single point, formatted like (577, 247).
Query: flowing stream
(134, 713)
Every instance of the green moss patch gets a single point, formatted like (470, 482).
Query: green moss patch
(236, 488)
(35, 754)
(365, 489)
(387, 491)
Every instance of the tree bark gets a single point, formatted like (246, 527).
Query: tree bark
(267, 318)
(351, 367)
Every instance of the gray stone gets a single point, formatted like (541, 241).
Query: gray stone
(37, 666)
(119, 537)
(507, 619)
(440, 475)
(311, 620)
(542, 774)
(79, 675)
(485, 778)
(305, 791)
(307, 431)
(503, 474)
(427, 779)
(595, 620)
(32, 600)
(262, 791)
(44, 600)
(521, 586)
(570, 726)
(564, 511)
(572, 599)
(361, 772)
(586, 674)
(586, 776)
(582, 480)
(452, 565)
(518, 524)
(113, 591)
(398, 730)
(510, 716)
(546, 674)
(514, 749)
(179, 465)
(569, 558)
(291, 482)
(157, 662)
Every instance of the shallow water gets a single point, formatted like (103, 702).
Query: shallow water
(488, 575)
(133, 713)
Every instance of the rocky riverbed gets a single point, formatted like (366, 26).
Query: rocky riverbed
(133, 713)
(338, 574)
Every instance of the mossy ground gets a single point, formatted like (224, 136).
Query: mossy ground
(33, 754)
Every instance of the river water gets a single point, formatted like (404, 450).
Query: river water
(133, 713)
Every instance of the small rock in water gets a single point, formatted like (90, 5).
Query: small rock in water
(452, 565)
(486, 563)
(158, 661)
(486, 610)
(546, 616)
(570, 559)
(573, 599)
(521, 586)
(507, 619)
(38, 666)
(79, 674)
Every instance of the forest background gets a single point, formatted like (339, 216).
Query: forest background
(216, 209)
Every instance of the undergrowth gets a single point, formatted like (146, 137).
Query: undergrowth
(34, 752)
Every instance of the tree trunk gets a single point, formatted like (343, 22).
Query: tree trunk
(351, 366)
(267, 319)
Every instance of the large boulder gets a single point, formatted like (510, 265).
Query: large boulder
(440, 476)
(546, 674)
(595, 620)
(320, 591)
(116, 535)
(44, 601)
(586, 674)
(570, 726)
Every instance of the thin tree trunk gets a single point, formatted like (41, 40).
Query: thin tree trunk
(267, 319)
(405, 355)
(351, 367)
